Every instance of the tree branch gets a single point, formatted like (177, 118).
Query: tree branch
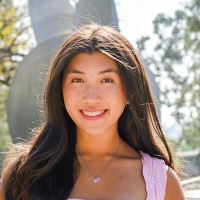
(19, 33)
(5, 82)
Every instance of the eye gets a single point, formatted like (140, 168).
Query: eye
(77, 80)
(107, 80)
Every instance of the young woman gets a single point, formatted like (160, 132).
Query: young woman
(101, 138)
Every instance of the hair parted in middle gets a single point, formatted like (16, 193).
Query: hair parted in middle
(139, 124)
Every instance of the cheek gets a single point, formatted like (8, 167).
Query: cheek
(70, 97)
(116, 93)
(70, 93)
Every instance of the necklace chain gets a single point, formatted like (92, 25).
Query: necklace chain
(98, 178)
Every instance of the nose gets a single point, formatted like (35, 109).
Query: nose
(91, 94)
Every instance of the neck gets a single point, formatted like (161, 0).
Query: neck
(97, 145)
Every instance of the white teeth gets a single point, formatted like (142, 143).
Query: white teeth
(92, 114)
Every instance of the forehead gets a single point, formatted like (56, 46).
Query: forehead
(87, 61)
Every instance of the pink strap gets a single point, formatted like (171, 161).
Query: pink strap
(155, 176)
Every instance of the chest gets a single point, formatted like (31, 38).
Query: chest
(121, 180)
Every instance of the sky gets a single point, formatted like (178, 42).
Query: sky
(136, 16)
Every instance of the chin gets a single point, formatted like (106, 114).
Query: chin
(94, 132)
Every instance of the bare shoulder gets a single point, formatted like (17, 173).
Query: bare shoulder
(174, 190)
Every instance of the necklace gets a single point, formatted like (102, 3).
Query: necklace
(98, 178)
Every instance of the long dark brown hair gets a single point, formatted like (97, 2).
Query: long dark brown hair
(46, 167)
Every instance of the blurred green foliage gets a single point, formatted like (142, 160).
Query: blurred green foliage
(175, 62)
(5, 140)
(16, 40)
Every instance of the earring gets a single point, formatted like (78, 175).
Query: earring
(127, 102)
(62, 104)
(127, 106)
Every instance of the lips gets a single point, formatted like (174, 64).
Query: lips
(93, 113)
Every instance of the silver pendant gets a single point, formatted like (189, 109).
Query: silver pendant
(97, 179)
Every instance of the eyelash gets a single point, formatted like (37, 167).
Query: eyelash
(77, 80)
(105, 80)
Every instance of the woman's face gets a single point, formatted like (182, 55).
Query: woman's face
(93, 93)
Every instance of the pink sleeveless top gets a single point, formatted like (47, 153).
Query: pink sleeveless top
(155, 176)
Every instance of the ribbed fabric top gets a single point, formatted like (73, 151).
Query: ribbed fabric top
(155, 176)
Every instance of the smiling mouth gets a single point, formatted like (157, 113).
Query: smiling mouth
(94, 113)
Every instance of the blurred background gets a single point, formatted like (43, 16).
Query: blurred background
(165, 33)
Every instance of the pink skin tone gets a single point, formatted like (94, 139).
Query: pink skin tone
(93, 93)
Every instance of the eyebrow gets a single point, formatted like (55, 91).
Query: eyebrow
(74, 71)
(109, 71)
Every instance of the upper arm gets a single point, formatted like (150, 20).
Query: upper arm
(174, 190)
